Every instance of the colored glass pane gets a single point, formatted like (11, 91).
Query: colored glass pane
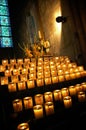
(4, 20)
(3, 2)
(6, 42)
(3, 10)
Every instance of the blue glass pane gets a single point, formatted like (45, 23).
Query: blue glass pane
(4, 20)
(5, 31)
(6, 42)
(3, 2)
(4, 10)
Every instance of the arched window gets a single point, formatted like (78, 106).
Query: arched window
(5, 26)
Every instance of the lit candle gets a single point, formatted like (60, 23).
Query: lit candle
(72, 90)
(61, 78)
(38, 111)
(83, 86)
(5, 62)
(40, 82)
(40, 75)
(80, 68)
(32, 70)
(21, 85)
(67, 101)
(53, 73)
(12, 61)
(64, 92)
(72, 76)
(49, 108)
(7, 73)
(57, 95)
(48, 96)
(39, 34)
(23, 77)
(28, 102)
(20, 61)
(14, 78)
(67, 76)
(26, 60)
(17, 105)
(4, 80)
(30, 84)
(78, 75)
(60, 72)
(2, 68)
(55, 79)
(81, 96)
(47, 81)
(32, 76)
(23, 126)
(16, 72)
(24, 71)
(12, 87)
(78, 88)
(46, 74)
(38, 99)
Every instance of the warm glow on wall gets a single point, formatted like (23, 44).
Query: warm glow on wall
(57, 26)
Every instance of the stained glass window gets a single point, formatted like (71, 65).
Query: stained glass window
(5, 26)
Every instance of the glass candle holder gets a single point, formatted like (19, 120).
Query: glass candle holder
(26, 60)
(48, 96)
(78, 88)
(72, 90)
(38, 99)
(72, 76)
(32, 76)
(30, 84)
(67, 100)
(14, 78)
(46, 74)
(23, 126)
(20, 61)
(53, 73)
(57, 95)
(55, 79)
(81, 96)
(40, 75)
(32, 70)
(28, 102)
(83, 86)
(5, 62)
(7, 73)
(16, 72)
(21, 85)
(13, 61)
(4, 80)
(17, 105)
(64, 92)
(47, 81)
(49, 108)
(67, 76)
(12, 87)
(24, 71)
(40, 82)
(23, 77)
(2, 68)
(78, 75)
(61, 78)
(38, 111)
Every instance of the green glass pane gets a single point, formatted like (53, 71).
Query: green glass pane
(3, 2)
(5, 31)
(4, 20)
(6, 42)
(4, 10)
